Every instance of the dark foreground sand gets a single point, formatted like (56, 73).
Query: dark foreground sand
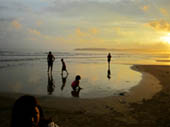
(123, 111)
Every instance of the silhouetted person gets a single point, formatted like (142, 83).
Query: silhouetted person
(51, 86)
(109, 58)
(63, 66)
(64, 79)
(75, 83)
(27, 112)
(75, 93)
(50, 60)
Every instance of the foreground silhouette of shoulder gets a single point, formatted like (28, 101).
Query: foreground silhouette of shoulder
(27, 112)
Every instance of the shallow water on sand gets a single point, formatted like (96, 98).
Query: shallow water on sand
(32, 78)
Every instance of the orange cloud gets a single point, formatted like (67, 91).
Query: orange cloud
(163, 11)
(161, 25)
(16, 24)
(94, 31)
(80, 33)
(145, 8)
(86, 33)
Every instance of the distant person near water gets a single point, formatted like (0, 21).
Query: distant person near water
(75, 83)
(63, 66)
(109, 58)
(50, 60)
(27, 112)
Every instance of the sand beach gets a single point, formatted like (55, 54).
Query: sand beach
(134, 109)
(119, 50)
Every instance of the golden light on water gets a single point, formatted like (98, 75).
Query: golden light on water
(166, 38)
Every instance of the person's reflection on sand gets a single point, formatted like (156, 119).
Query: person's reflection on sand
(64, 79)
(108, 72)
(51, 86)
(75, 93)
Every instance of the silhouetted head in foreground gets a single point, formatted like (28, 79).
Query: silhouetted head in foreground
(26, 112)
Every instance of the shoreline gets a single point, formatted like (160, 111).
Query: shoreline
(110, 111)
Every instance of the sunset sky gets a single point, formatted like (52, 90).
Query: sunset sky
(70, 24)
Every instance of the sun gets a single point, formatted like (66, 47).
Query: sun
(166, 38)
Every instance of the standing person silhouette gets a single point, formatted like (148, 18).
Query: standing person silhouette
(50, 60)
(109, 58)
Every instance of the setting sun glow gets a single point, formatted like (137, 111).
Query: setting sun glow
(166, 38)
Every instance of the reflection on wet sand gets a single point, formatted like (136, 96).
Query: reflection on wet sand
(51, 85)
(75, 93)
(108, 72)
(64, 79)
(95, 81)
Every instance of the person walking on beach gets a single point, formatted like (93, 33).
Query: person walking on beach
(27, 112)
(50, 60)
(75, 83)
(63, 66)
(109, 58)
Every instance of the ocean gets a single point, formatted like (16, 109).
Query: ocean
(26, 72)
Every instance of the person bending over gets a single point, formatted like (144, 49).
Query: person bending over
(75, 83)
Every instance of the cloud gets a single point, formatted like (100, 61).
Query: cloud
(101, 10)
(16, 24)
(161, 25)
(94, 31)
(164, 11)
(39, 23)
(145, 8)
(34, 32)
(99, 1)
(80, 33)
(86, 33)
(123, 32)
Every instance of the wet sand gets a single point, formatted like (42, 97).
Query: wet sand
(127, 110)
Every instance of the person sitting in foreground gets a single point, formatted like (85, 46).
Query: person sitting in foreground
(27, 112)
(75, 83)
